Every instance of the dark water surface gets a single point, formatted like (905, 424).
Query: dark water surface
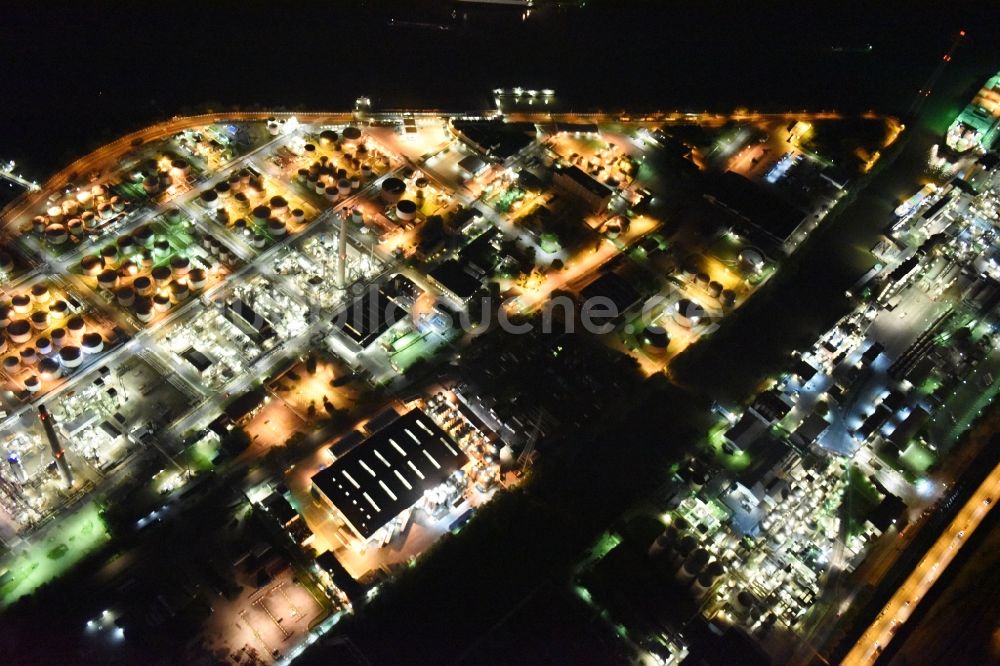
(75, 75)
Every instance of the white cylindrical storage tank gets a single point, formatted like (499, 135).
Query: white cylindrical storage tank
(58, 310)
(91, 265)
(180, 266)
(21, 303)
(688, 313)
(197, 278)
(143, 235)
(56, 234)
(85, 199)
(58, 337)
(161, 275)
(259, 241)
(75, 227)
(351, 136)
(125, 296)
(41, 293)
(49, 368)
(143, 285)
(92, 343)
(209, 199)
(261, 214)
(19, 331)
(406, 210)
(343, 187)
(29, 357)
(108, 279)
(109, 255)
(39, 320)
(392, 190)
(44, 346)
(161, 302)
(751, 260)
(75, 326)
(55, 213)
(32, 384)
(89, 220)
(178, 291)
(70, 357)
(276, 227)
(298, 215)
(11, 364)
(279, 206)
(143, 309)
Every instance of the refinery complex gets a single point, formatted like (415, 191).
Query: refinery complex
(313, 347)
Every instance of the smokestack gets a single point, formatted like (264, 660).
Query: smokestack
(57, 450)
(342, 253)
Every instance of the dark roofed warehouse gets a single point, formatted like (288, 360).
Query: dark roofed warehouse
(389, 472)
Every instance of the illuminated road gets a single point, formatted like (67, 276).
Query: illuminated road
(933, 564)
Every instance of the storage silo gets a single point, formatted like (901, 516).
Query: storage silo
(276, 227)
(161, 275)
(92, 343)
(197, 278)
(56, 234)
(209, 199)
(655, 340)
(70, 356)
(143, 309)
(40, 293)
(406, 210)
(351, 136)
(392, 190)
(125, 296)
(688, 313)
(75, 326)
(91, 265)
(58, 337)
(39, 320)
(180, 266)
(29, 357)
(43, 345)
(48, 368)
(751, 260)
(178, 291)
(108, 279)
(21, 303)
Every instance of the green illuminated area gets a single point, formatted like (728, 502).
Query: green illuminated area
(70, 540)
(415, 346)
(861, 497)
(732, 462)
(917, 457)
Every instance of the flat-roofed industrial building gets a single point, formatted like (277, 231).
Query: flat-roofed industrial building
(388, 472)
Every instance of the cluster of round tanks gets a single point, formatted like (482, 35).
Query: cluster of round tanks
(29, 314)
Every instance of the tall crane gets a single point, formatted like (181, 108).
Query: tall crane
(928, 86)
